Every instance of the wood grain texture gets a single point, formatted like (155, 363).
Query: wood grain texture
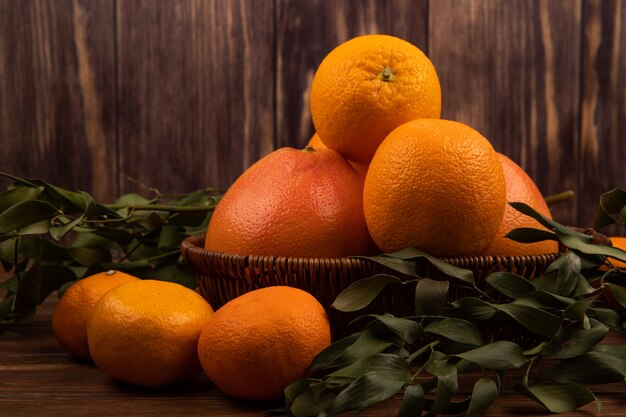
(196, 91)
(39, 378)
(510, 69)
(57, 93)
(603, 114)
(308, 30)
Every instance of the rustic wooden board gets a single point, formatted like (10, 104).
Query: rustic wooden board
(603, 112)
(196, 91)
(57, 93)
(510, 69)
(308, 30)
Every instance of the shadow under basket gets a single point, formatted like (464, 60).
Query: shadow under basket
(222, 277)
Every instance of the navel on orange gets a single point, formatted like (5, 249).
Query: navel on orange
(298, 203)
(437, 185)
(146, 332)
(520, 188)
(366, 87)
(260, 342)
(69, 320)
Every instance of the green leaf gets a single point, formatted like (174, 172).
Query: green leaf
(430, 296)
(568, 274)
(595, 367)
(58, 232)
(510, 284)
(534, 319)
(40, 228)
(409, 330)
(592, 249)
(25, 214)
(607, 316)
(471, 308)
(501, 354)
(447, 382)
(28, 294)
(132, 199)
(5, 307)
(388, 365)
(361, 293)
(172, 273)
(549, 223)
(364, 391)
(560, 398)
(18, 194)
(612, 202)
(412, 402)
(530, 235)
(484, 394)
(457, 330)
(309, 404)
(89, 256)
(577, 311)
(574, 340)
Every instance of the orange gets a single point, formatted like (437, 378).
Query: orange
(437, 185)
(299, 203)
(260, 342)
(69, 321)
(316, 142)
(368, 86)
(146, 332)
(618, 242)
(520, 188)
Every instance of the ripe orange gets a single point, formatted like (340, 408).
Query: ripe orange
(317, 143)
(300, 203)
(146, 332)
(437, 185)
(260, 342)
(69, 321)
(520, 188)
(368, 86)
(618, 242)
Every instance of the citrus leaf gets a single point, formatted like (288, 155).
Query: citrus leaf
(592, 249)
(617, 292)
(58, 232)
(447, 382)
(530, 235)
(549, 223)
(501, 354)
(573, 340)
(607, 316)
(412, 402)
(545, 299)
(510, 284)
(457, 330)
(333, 351)
(301, 400)
(611, 202)
(132, 199)
(558, 398)
(24, 214)
(89, 256)
(386, 365)
(408, 330)
(595, 367)
(534, 319)
(568, 273)
(364, 391)
(430, 296)
(577, 311)
(28, 294)
(18, 194)
(361, 293)
(484, 394)
(40, 228)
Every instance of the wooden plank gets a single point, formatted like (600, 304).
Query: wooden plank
(510, 69)
(57, 106)
(603, 114)
(307, 31)
(196, 91)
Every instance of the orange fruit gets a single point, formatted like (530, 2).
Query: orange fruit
(437, 185)
(260, 342)
(618, 242)
(368, 86)
(300, 203)
(146, 332)
(520, 188)
(69, 320)
(316, 142)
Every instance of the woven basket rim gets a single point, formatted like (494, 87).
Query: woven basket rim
(195, 245)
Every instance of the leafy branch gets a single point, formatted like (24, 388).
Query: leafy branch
(50, 237)
(505, 323)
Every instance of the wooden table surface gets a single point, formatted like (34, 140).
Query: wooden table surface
(37, 378)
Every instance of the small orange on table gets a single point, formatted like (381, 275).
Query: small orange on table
(69, 320)
(260, 342)
(146, 332)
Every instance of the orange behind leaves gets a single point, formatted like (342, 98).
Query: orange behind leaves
(146, 332)
(260, 342)
(366, 87)
(437, 185)
(520, 188)
(299, 203)
(69, 321)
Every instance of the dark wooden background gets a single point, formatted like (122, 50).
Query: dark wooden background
(101, 95)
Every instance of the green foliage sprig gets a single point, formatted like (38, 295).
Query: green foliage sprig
(50, 237)
(565, 313)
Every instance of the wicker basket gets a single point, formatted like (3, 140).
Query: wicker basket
(222, 277)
